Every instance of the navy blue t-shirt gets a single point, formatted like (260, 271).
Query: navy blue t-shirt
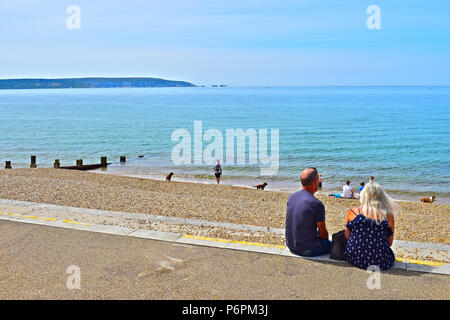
(302, 214)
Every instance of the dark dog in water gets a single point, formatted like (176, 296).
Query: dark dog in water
(169, 176)
(261, 186)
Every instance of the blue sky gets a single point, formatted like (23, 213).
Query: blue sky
(240, 43)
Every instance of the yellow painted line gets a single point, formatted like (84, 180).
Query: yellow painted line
(48, 219)
(427, 263)
(205, 238)
(25, 216)
(430, 263)
(75, 222)
(233, 241)
(42, 218)
(259, 244)
(13, 214)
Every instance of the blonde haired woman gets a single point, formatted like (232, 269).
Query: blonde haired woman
(370, 229)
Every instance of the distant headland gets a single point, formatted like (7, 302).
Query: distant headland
(65, 83)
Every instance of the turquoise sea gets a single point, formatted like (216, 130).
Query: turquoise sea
(400, 135)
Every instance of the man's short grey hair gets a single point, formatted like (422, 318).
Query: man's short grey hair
(310, 178)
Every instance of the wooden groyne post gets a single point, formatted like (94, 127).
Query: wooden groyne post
(56, 164)
(123, 159)
(104, 161)
(79, 162)
(33, 162)
(8, 165)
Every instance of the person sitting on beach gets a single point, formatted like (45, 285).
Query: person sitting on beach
(218, 171)
(320, 182)
(370, 229)
(347, 192)
(361, 186)
(306, 232)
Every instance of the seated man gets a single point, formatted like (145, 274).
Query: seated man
(306, 233)
(347, 192)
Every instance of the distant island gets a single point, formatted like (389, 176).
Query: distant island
(90, 83)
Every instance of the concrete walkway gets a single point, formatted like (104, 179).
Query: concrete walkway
(34, 260)
(60, 216)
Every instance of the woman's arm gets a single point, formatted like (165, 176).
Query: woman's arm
(347, 233)
(350, 216)
(390, 219)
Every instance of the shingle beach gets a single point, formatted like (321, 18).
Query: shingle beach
(415, 221)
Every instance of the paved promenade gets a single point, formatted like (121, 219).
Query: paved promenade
(420, 256)
(34, 260)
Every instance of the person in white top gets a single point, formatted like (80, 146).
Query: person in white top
(347, 191)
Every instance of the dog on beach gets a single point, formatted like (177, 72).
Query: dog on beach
(428, 199)
(169, 176)
(261, 186)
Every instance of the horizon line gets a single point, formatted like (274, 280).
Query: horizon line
(235, 86)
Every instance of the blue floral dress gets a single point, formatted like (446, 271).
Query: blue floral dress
(368, 243)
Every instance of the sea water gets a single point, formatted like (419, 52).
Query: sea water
(400, 135)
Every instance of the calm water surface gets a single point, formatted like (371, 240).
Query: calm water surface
(400, 135)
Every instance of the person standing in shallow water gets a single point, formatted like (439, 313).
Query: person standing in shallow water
(218, 171)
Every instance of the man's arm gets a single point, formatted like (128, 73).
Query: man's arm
(320, 221)
(323, 233)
